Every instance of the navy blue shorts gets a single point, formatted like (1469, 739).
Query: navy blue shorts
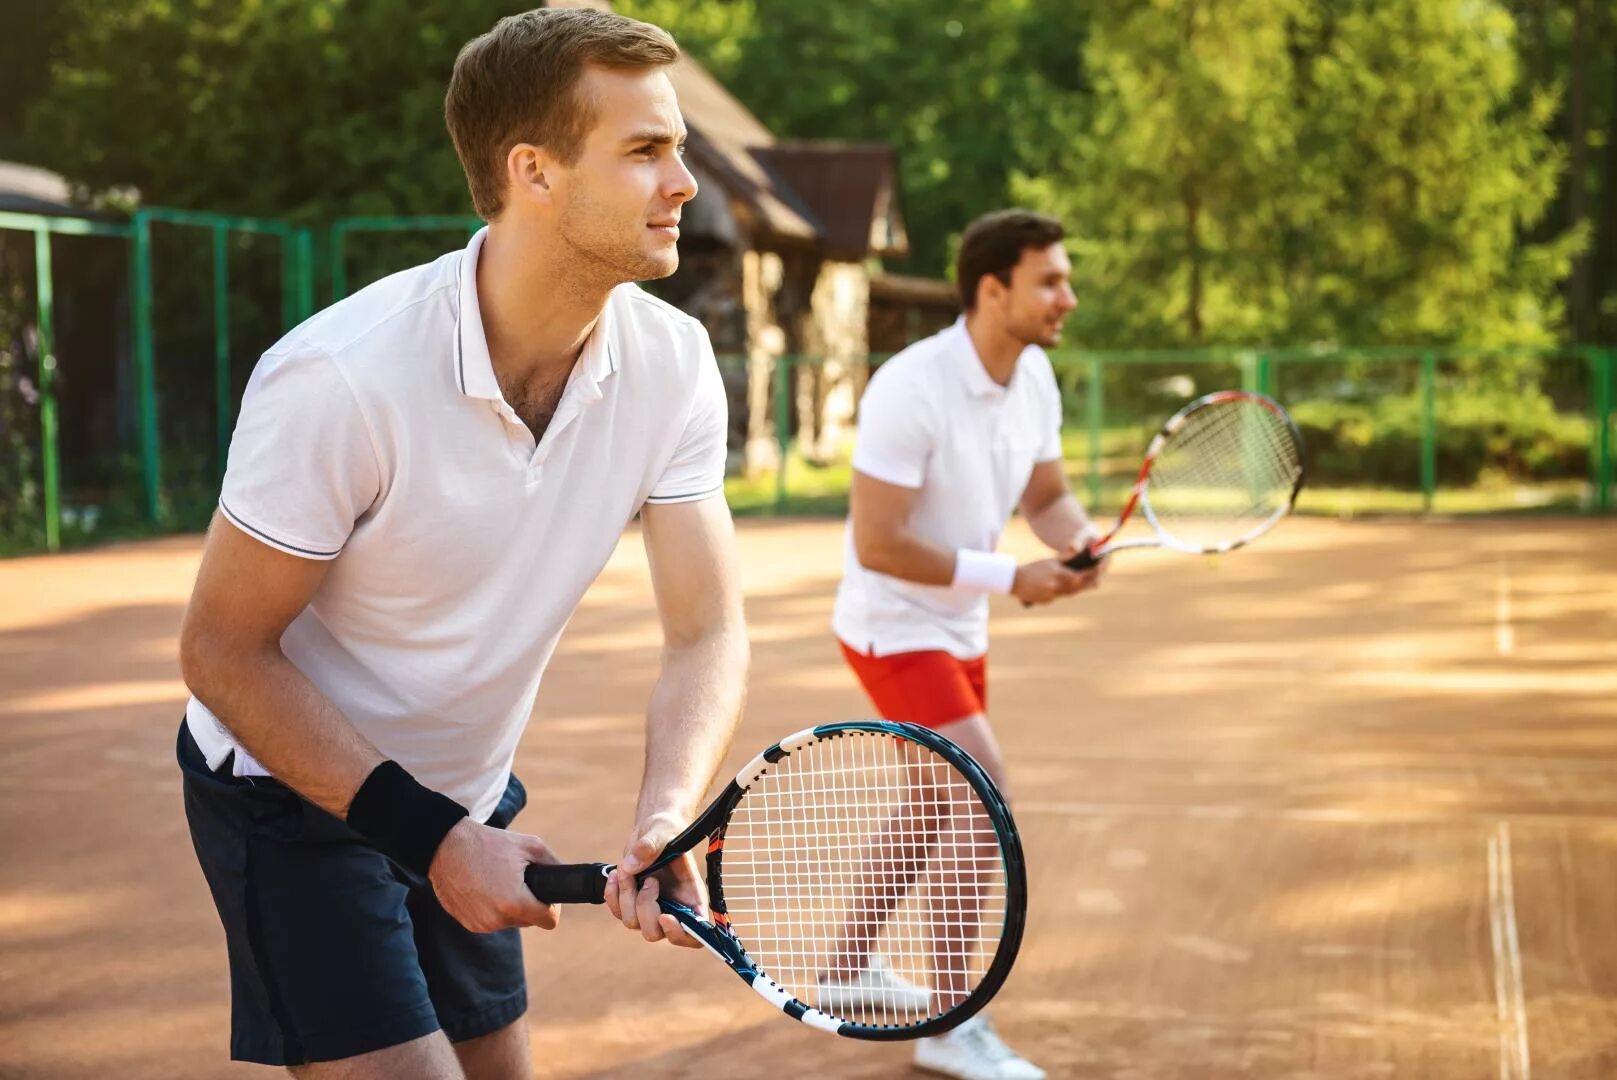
(334, 949)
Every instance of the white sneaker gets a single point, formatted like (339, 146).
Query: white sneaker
(877, 988)
(973, 1051)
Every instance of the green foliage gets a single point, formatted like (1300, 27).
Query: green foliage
(953, 86)
(1566, 53)
(1245, 171)
(1233, 172)
(1480, 437)
(1268, 171)
(1242, 171)
(303, 109)
(21, 510)
(35, 30)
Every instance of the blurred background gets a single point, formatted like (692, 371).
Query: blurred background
(1399, 217)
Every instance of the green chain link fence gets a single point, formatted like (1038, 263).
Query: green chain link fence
(1388, 430)
(120, 425)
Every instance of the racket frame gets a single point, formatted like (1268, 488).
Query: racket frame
(585, 882)
(1140, 495)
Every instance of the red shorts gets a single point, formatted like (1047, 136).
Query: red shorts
(931, 688)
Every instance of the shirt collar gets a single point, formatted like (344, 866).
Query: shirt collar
(972, 372)
(474, 368)
(600, 357)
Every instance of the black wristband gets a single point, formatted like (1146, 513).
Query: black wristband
(405, 821)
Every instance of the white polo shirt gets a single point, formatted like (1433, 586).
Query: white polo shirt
(932, 418)
(375, 435)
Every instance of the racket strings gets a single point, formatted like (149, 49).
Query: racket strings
(1224, 474)
(864, 876)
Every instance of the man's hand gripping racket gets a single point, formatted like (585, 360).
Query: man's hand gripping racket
(864, 878)
(1223, 471)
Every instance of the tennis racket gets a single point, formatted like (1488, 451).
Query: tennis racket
(864, 878)
(1222, 472)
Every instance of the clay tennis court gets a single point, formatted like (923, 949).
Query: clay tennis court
(1343, 805)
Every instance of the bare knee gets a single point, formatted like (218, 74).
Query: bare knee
(975, 737)
(499, 1055)
(427, 1058)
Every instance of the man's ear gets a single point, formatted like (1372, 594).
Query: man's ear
(991, 291)
(529, 173)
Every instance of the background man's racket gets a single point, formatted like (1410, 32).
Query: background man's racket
(1222, 471)
(865, 878)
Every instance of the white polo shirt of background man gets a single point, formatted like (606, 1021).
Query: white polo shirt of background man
(932, 419)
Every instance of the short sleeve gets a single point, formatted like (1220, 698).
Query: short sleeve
(302, 467)
(895, 438)
(696, 471)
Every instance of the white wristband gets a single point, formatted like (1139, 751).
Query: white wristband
(984, 571)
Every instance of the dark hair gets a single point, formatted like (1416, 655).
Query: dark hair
(518, 83)
(993, 244)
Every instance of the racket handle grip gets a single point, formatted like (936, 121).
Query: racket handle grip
(1082, 561)
(568, 883)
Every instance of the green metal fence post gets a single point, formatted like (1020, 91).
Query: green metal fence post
(146, 362)
(47, 389)
(1097, 416)
(221, 344)
(783, 387)
(302, 242)
(1428, 430)
(297, 275)
(1602, 360)
(289, 284)
(42, 226)
(1266, 375)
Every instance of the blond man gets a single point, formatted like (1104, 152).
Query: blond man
(424, 480)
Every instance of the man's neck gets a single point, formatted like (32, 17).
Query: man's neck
(537, 313)
(996, 349)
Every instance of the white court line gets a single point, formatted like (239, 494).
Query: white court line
(1322, 815)
(1515, 1063)
(1429, 760)
(1504, 634)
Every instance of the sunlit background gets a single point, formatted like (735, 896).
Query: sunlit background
(1340, 805)
(1398, 217)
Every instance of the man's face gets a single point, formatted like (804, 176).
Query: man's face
(620, 202)
(1040, 296)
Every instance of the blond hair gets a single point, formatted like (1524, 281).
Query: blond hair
(519, 83)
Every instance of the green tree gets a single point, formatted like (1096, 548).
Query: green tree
(1257, 171)
(283, 108)
(1233, 170)
(1566, 50)
(35, 30)
(951, 85)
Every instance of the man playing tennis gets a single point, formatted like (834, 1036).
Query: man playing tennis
(424, 480)
(955, 433)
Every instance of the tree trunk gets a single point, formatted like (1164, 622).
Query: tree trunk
(1579, 311)
(1604, 258)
